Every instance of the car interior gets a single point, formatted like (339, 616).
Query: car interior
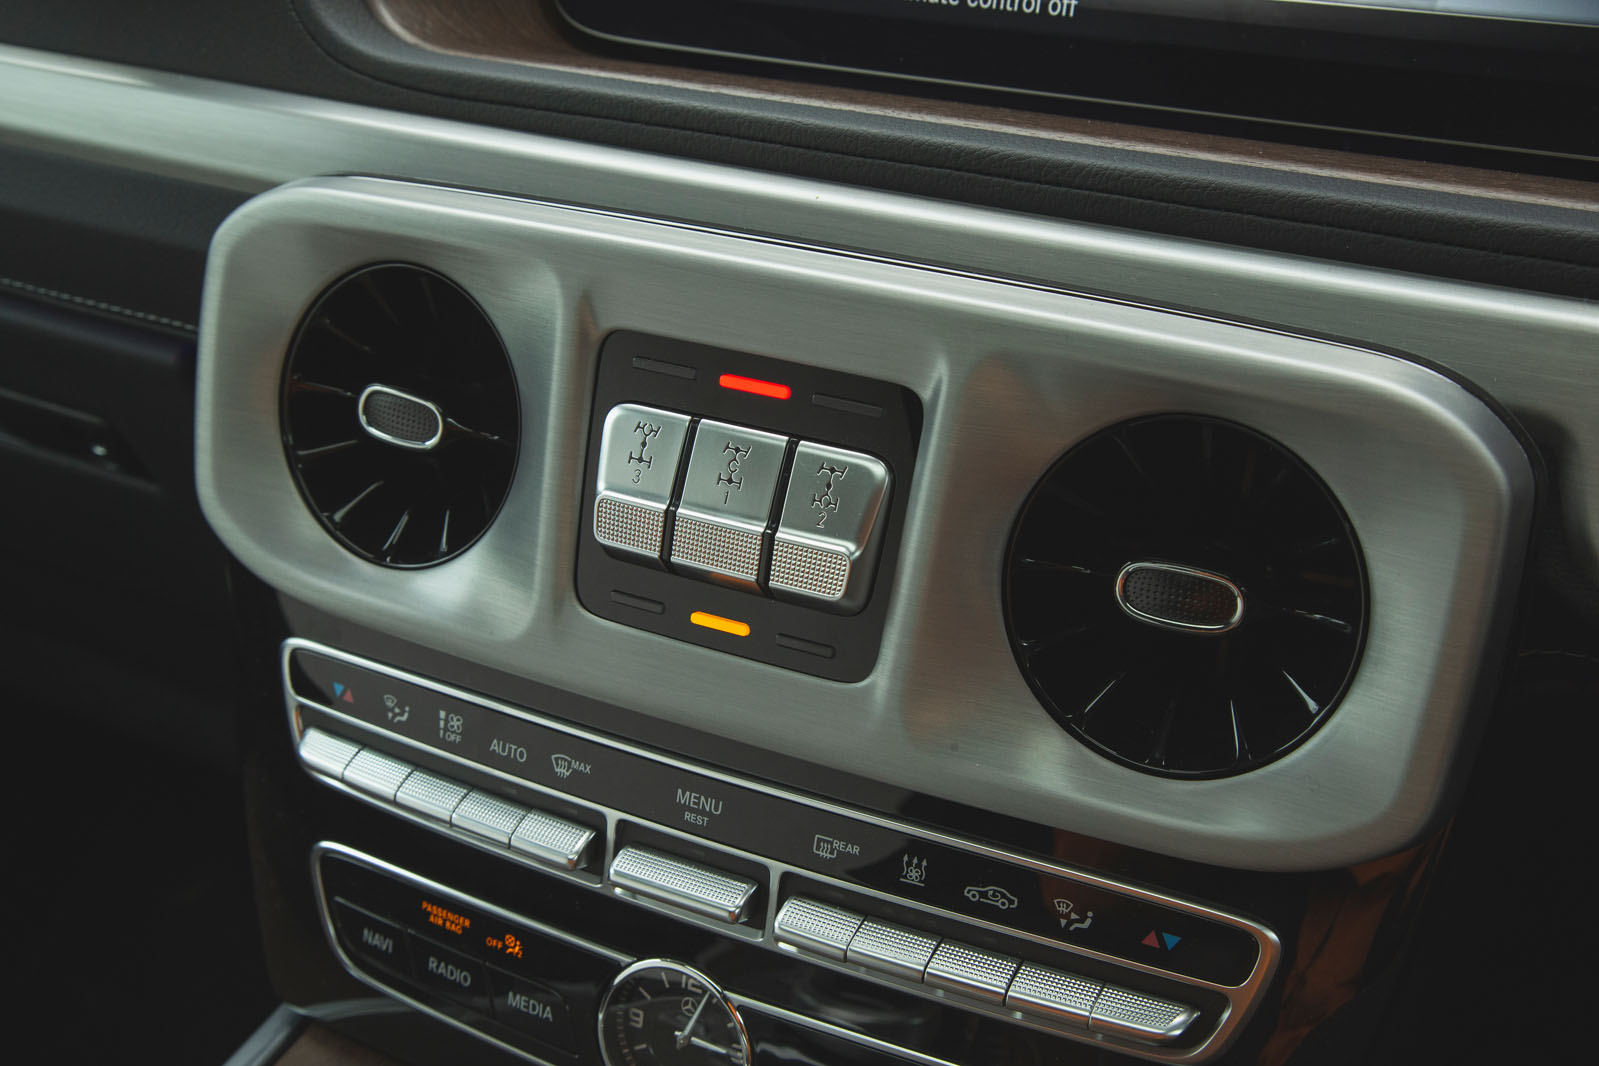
(801, 532)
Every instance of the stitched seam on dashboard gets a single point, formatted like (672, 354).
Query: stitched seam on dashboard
(1019, 182)
(98, 305)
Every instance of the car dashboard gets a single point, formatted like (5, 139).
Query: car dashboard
(572, 535)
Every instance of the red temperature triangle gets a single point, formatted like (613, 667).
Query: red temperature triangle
(1151, 941)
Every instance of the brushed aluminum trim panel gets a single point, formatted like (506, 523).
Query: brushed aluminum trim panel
(1435, 485)
(1537, 351)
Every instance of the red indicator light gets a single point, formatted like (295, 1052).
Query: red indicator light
(770, 389)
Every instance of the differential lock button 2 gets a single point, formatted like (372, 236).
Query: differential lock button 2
(830, 532)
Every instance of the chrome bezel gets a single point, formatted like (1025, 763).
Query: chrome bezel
(1167, 623)
(389, 438)
(711, 987)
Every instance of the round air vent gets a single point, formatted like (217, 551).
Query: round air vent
(400, 415)
(1185, 596)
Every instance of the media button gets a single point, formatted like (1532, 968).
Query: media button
(538, 1011)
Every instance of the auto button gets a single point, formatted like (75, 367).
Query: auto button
(727, 498)
(828, 537)
(640, 449)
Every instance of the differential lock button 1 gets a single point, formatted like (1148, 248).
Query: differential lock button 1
(727, 498)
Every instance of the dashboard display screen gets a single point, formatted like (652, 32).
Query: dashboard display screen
(1479, 76)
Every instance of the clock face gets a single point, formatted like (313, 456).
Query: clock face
(662, 1013)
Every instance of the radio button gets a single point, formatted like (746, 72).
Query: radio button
(640, 448)
(488, 816)
(374, 772)
(971, 971)
(697, 888)
(1136, 1016)
(827, 539)
(430, 794)
(1061, 997)
(819, 928)
(327, 753)
(891, 949)
(450, 974)
(727, 498)
(552, 840)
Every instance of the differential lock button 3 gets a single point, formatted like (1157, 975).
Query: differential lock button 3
(640, 448)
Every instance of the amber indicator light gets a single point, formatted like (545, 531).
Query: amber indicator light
(720, 624)
(508, 944)
(445, 918)
(770, 389)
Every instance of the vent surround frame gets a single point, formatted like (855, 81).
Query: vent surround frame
(1436, 483)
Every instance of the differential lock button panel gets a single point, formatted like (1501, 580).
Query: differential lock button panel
(745, 504)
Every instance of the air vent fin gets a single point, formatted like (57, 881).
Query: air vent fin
(400, 415)
(1185, 596)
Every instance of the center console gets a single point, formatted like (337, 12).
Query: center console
(700, 646)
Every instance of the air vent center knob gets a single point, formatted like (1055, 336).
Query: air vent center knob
(1179, 597)
(398, 418)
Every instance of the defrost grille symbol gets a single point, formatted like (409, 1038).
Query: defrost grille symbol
(400, 415)
(1185, 596)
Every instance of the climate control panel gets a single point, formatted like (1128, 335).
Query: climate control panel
(1011, 940)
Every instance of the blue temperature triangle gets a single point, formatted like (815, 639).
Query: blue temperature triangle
(1171, 940)
(338, 690)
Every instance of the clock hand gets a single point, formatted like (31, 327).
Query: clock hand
(683, 1033)
(701, 1042)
